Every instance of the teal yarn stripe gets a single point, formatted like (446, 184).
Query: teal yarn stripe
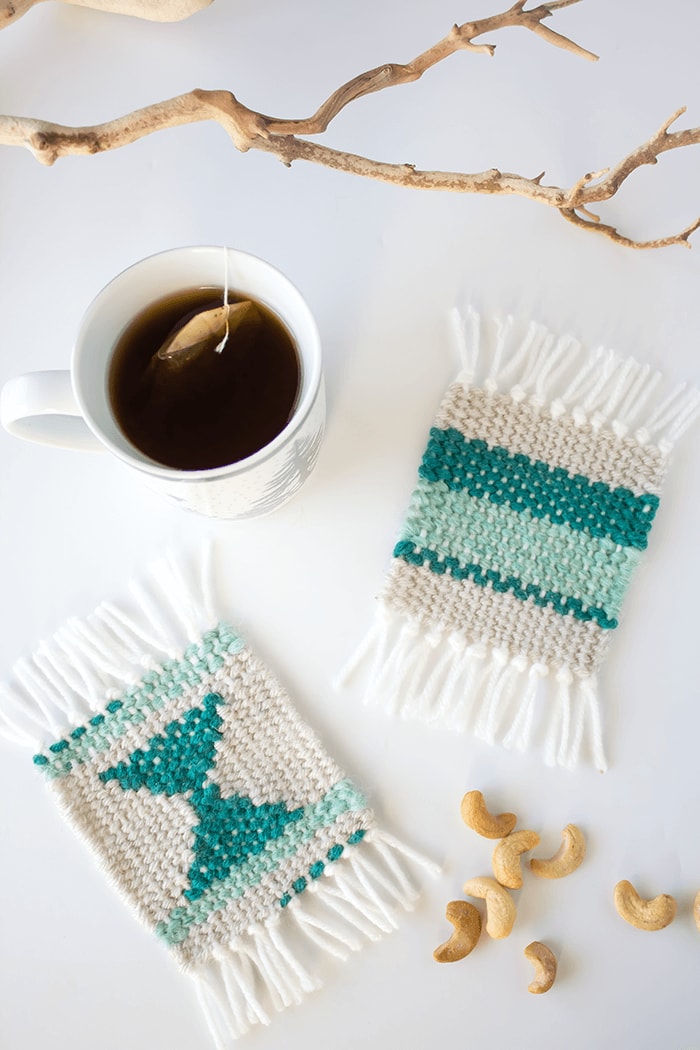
(318, 867)
(155, 689)
(551, 492)
(342, 798)
(415, 555)
(517, 544)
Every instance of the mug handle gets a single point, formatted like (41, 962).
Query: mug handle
(40, 406)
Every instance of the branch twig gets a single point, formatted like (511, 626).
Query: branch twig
(249, 129)
(154, 10)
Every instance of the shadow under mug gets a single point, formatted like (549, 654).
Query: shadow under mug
(71, 409)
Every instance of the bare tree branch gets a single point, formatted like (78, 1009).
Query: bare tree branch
(593, 223)
(154, 10)
(280, 137)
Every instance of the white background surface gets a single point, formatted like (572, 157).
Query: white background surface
(380, 267)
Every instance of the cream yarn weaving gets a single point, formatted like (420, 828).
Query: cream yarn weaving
(533, 506)
(210, 805)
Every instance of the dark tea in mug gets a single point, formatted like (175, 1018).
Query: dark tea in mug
(219, 407)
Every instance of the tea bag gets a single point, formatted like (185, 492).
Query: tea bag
(201, 382)
(208, 330)
(187, 342)
(192, 369)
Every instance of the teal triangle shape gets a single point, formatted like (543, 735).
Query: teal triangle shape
(229, 831)
(178, 759)
(178, 762)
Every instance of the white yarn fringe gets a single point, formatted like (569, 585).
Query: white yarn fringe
(90, 661)
(440, 679)
(600, 387)
(356, 899)
(437, 676)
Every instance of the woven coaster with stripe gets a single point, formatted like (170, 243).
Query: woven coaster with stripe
(534, 501)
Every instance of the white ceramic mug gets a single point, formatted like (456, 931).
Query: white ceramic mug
(71, 409)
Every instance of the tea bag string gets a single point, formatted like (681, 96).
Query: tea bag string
(222, 343)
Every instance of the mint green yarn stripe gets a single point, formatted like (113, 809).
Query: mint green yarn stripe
(495, 474)
(154, 690)
(343, 797)
(515, 543)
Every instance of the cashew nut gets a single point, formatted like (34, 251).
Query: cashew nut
(500, 908)
(545, 962)
(652, 914)
(475, 815)
(566, 859)
(467, 927)
(506, 857)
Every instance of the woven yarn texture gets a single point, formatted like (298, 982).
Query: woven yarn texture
(523, 530)
(208, 801)
(535, 497)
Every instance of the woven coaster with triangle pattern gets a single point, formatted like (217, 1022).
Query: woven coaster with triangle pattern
(207, 801)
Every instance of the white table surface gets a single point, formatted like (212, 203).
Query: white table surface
(380, 267)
